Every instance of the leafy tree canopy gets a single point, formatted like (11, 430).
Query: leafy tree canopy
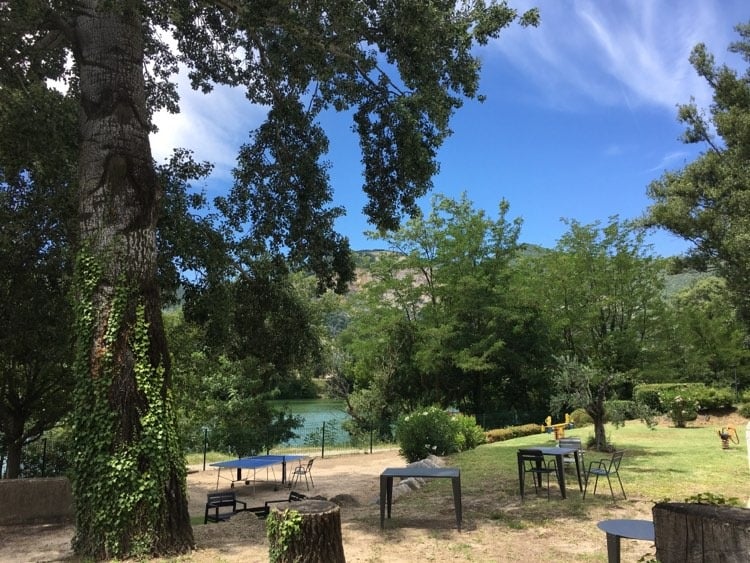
(708, 201)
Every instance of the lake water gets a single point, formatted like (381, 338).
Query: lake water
(315, 412)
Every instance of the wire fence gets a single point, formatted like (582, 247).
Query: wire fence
(51, 455)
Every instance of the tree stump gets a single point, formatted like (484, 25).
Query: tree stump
(688, 532)
(315, 536)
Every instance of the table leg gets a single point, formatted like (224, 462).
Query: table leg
(520, 476)
(613, 548)
(383, 486)
(389, 494)
(560, 474)
(578, 469)
(456, 481)
(283, 471)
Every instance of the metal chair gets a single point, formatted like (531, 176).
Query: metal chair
(303, 471)
(572, 443)
(604, 468)
(534, 462)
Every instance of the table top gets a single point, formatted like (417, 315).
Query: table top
(553, 450)
(632, 529)
(254, 462)
(421, 472)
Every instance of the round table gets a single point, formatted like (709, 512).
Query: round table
(630, 529)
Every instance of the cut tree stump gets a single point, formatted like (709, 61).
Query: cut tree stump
(701, 533)
(319, 539)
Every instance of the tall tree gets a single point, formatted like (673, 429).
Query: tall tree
(129, 476)
(708, 201)
(37, 229)
(603, 295)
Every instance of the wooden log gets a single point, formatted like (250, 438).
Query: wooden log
(701, 533)
(312, 535)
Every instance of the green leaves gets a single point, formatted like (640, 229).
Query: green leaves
(708, 201)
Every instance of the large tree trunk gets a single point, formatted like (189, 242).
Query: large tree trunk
(700, 533)
(129, 480)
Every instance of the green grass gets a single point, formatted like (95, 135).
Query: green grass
(663, 463)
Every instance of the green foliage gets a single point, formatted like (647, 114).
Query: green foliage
(680, 405)
(617, 410)
(744, 410)
(470, 434)
(426, 431)
(117, 485)
(711, 398)
(706, 202)
(580, 418)
(708, 398)
(648, 394)
(715, 499)
(510, 432)
(281, 532)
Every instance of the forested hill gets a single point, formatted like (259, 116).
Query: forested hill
(364, 259)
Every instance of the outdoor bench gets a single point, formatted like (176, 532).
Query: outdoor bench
(215, 501)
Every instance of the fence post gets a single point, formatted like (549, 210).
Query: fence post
(44, 456)
(205, 445)
(323, 442)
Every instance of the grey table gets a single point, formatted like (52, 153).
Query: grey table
(558, 453)
(630, 529)
(386, 486)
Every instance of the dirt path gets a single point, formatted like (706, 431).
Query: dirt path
(429, 535)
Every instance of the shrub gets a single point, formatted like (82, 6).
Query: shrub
(711, 398)
(680, 406)
(744, 410)
(426, 431)
(620, 410)
(510, 432)
(580, 417)
(470, 434)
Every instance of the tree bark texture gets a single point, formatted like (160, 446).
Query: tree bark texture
(319, 539)
(118, 209)
(701, 533)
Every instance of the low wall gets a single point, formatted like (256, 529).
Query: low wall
(36, 501)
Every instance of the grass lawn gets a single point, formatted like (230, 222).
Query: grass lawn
(660, 464)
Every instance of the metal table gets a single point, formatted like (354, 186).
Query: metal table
(630, 529)
(386, 486)
(559, 453)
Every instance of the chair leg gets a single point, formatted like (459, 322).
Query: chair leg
(621, 487)
(611, 490)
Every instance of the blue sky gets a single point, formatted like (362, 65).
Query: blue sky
(580, 117)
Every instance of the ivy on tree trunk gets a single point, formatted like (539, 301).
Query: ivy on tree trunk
(129, 473)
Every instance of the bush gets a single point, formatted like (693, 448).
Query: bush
(620, 410)
(580, 417)
(510, 432)
(470, 434)
(744, 410)
(426, 431)
(681, 406)
(711, 398)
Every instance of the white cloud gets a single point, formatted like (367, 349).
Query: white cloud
(212, 125)
(619, 52)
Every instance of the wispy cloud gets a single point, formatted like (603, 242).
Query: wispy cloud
(213, 126)
(618, 52)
